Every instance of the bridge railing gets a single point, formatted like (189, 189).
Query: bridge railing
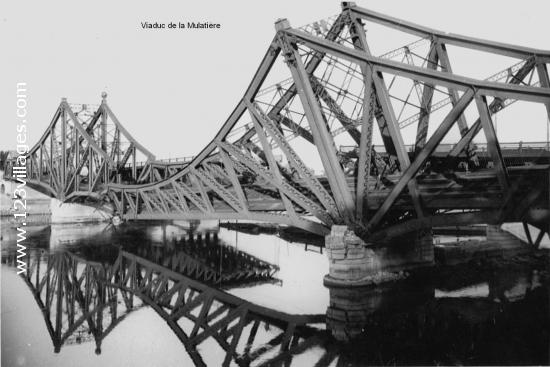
(177, 160)
(482, 147)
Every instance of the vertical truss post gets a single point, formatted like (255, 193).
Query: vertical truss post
(63, 150)
(316, 119)
(426, 103)
(134, 168)
(492, 142)
(544, 79)
(369, 98)
(365, 148)
(52, 132)
(90, 167)
(359, 39)
(77, 160)
(103, 124)
(382, 96)
(40, 167)
(453, 93)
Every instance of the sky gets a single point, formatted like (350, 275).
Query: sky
(174, 89)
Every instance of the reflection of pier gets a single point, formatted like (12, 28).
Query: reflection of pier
(85, 300)
(473, 296)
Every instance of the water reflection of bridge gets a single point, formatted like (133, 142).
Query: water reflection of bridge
(210, 263)
(461, 313)
(85, 300)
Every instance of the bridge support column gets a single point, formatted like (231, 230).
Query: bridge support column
(353, 262)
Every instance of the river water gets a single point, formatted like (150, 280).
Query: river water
(179, 295)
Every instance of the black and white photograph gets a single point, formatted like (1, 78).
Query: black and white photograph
(275, 183)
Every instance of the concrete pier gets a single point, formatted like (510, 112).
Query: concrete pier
(353, 262)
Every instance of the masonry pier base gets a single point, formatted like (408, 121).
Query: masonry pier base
(353, 262)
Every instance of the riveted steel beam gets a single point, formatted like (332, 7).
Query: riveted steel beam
(426, 103)
(489, 88)
(422, 156)
(317, 123)
(294, 160)
(451, 39)
(496, 105)
(492, 142)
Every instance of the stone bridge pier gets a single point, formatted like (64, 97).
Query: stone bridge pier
(353, 262)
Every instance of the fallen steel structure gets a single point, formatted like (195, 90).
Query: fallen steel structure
(253, 168)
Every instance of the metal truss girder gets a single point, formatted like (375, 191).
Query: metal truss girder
(426, 103)
(127, 154)
(492, 142)
(294, 160)
(322, 137)
(219, 189)
(148, 197)
(496, 105)
(346, 122)
(216, 170)
(304, 133)
(163, 199)
(63, 160)
(395, 133)
(107, 110)
(91, 142)
(312, 65)
(505, 91)
(371, 107)
(50, 127)
(285, 188)
(449, 38)
(230, 169)
(544, 79)
(130, 201)
(422, 156)
(365, 148)
(98, 176)
(191, 196)
(53, 177)
(257, 80)
(202, 190)
(252, 89)
(453, 93)
(145, 172)
(271, 162)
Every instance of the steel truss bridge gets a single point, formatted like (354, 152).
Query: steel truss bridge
(338, 93)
